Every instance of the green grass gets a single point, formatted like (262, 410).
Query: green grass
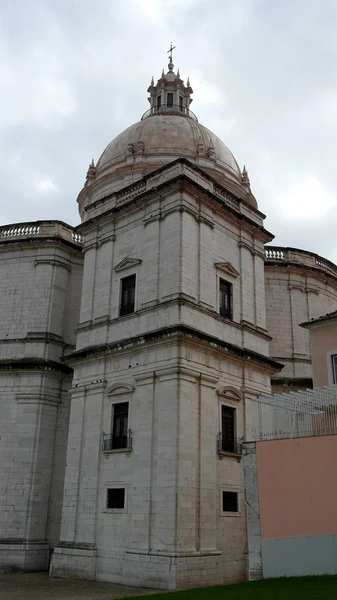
(292, 588)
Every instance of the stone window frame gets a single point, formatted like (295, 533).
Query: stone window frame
(126, 268)
(116, 485)
(231, 397)
(231, 488)
(226, 271)
(230, 296)
(331, 377)
(119, 393)
(123, 278)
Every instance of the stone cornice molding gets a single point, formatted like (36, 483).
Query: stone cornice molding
(34, 364)
(252, 249)
(160, 215)
(52, 261)
(105, 240)
(184, 174)
(248, 391)
(180, 299)
(38, 398)
(171, 333)
(97, 385)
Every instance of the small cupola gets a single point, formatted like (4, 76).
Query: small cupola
(170, 95)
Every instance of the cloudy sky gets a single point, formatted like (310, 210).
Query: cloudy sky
(74, 74)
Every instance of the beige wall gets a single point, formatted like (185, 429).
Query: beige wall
(323, 344)
(301, 499)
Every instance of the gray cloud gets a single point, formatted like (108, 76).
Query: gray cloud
(74, 74)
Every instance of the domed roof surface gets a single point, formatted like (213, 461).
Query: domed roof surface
(165, 137)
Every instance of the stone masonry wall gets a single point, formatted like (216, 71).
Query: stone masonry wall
(294, 296)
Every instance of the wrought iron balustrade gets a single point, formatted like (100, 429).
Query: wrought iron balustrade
(166, 109)
(230, 446)
(113, 442)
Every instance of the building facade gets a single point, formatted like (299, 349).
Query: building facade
(131, 349)
(323, 347)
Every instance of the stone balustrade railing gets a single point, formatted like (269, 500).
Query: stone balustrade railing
(40, 229)
(295, 255)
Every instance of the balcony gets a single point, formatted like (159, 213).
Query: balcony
(230, 447)
(112, 443)
(169, 109)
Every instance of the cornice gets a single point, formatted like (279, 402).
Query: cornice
(52, 261)
(180, 299)
(137, 191)
(34, 364)
(166, 333)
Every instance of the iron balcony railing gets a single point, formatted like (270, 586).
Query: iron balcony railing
(230, 446)
(112, 442)
(166, 109)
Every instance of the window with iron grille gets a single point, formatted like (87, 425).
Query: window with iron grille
(128, 295)
(225, 299)
(227, 428)
(230, 502)
(334, 367)
(115, 498)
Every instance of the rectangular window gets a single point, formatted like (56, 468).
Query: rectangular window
(115, 498)
(230, 502)
(120, 426)
(334, 368)
(181, 103)
(228, 429)
(128, 295)
(225, 299)
(159, 102)
(169, 99)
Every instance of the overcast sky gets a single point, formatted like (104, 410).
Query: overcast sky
(74, 74)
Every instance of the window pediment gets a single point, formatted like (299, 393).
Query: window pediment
(229, 392)
(127, 263)
(120, 388)
(227, 267)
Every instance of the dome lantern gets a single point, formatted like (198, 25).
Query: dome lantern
(170, 95)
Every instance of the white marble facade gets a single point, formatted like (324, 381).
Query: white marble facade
(168, 222)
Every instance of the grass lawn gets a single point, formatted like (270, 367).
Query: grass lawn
(294, 588)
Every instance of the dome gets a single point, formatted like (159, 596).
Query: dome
(162, 138)
(167, 131)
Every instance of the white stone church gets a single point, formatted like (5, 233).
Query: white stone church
(129, 347)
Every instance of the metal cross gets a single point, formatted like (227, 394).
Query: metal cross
(170, 51)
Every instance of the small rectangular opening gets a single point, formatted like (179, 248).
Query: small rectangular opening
(169, 99)
(115, 498)
(230, 502)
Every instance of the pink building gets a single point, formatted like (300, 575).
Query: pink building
(323, 342)
(291, 485)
